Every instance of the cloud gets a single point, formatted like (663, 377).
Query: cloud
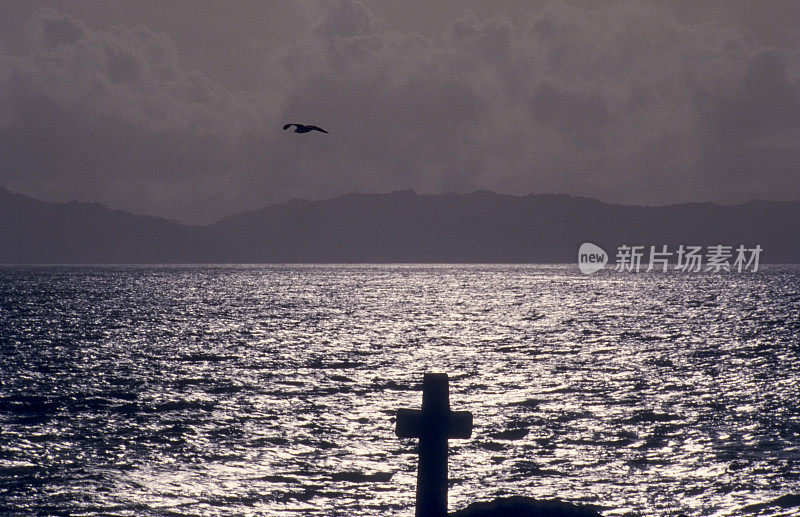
(51, 29)
(753, 144)
(623, 102)
(112, 115)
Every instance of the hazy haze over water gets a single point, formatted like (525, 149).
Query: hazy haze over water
(272, 389)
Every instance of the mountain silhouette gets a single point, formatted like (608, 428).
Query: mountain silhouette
(34, 231)
(396, 227)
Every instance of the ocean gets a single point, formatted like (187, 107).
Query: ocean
(272, 390)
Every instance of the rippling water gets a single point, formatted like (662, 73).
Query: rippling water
(272, 389)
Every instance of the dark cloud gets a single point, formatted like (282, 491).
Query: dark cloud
(766, 103)
(628, 103)
(753, 149)
(52, 29)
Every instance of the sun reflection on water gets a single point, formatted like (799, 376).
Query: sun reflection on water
(272, 390)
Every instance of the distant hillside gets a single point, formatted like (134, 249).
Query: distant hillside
(33, 231)
(487, 227)
(396, 227)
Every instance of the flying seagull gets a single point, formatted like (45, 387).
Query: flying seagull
(303, 128)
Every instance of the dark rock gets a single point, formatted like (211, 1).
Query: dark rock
(526, 507)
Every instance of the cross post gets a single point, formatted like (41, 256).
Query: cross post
(433, 425)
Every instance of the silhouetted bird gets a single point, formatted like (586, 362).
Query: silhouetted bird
(303, 128)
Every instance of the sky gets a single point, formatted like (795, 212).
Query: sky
(175, 108)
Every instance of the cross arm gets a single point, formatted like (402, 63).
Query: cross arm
(460, 424)
(409, 423)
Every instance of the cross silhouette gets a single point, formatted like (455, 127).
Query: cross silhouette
(433, 425)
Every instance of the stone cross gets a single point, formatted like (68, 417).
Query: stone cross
(433, 425)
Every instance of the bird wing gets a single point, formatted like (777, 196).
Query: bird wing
(287, 126)
(316, 128)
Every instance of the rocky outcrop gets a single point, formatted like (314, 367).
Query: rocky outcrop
(526, 507)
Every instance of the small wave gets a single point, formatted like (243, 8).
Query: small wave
(273, 478)
(272, 440)
(492, 446)
(648, 416)
(204, 357)
(224, 389)
(533, 316)
(340, 378)
(380, 385)
(527, 468)
(28, 405)
(785, 501)
(181, 405)
(334, 365)
(317, 444)
(527, 403)
(510, 434)
(361, 477)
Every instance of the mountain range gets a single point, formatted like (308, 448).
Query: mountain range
(399, 226)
